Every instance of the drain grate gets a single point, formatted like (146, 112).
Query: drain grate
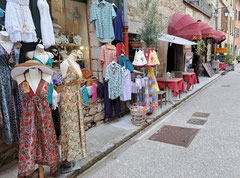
(201, 114)
(196, 121)
(225, 85)
(179, 136)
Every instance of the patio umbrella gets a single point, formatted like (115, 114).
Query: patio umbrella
(206, 30)
(219, 36)
(184, 26)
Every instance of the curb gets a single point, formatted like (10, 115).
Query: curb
(141, 128)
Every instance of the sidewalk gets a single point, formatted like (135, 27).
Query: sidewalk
(104, 138)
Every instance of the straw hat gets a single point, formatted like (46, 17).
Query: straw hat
(21, 68)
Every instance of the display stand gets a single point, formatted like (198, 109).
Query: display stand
(41, 171)
(72, 168)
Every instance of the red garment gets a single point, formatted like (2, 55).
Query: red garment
(222, 66)
(175, 84)
(119, 48)
(106, 57)
(190, 78)
(38, 141)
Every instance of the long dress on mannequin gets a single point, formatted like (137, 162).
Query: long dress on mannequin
(38, 142)
(73, 138)
(10, 98)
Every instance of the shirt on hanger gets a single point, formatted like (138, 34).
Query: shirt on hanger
(119, 48)
(106, 57)
(118, 25)
(103, 15)
(114, 78)
(124, 61)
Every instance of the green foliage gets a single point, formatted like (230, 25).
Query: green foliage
(200, 47)
(229, 56)
(153, 22)
(238, 57)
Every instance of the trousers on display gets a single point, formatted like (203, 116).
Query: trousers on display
(110, 104)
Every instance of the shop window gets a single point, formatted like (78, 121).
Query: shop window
(71, 22)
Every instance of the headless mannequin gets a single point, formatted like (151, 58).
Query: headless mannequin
(33, 77)
(39, 54)
(64, 65)
(5, 41)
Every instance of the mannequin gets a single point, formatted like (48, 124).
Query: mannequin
(33, 77)
(5, 41)
(40, 54)
(72, 59)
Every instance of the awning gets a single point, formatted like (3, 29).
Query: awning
(206, 30)
(175, 39)
(184, 26)
(218, 36)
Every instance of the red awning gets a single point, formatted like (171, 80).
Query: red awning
(218, 36)
(184, 26)
(206, 30)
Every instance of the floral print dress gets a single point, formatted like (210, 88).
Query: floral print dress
(73, 138)
(38, 141)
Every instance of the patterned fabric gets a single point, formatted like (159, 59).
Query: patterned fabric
(85, 96)
(10, 97)
(124, 61)
(38, 142)
(106, 57)
(73, 138)
(49, 63)
(114, 78)
(103, 14)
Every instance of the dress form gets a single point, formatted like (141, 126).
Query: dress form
(33, 77)
(40, 54)
(5, 41)
(64, 65)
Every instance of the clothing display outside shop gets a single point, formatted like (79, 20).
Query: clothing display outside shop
(118, 25)
(103, 13)
(18, 21)
(38, 141)
(48, 38)
(73, 137)
(11, 103)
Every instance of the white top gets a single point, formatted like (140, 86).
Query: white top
(48, 38)
(18, 21)
(126, 85)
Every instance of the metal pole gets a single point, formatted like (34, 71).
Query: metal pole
(125, 12)
(234, 30)
(217, 15)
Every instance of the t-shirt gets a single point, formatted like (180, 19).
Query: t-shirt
(124, 61)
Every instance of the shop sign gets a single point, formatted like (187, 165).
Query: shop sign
(201, 5)
(221, 50)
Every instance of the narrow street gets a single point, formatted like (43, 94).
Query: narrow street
(213, 152)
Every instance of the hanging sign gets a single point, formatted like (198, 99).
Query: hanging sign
(221, 50)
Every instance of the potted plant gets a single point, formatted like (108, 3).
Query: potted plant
(200, 49)
(229, 61)
(238, 59)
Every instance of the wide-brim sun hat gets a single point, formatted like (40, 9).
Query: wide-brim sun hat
(23, 67)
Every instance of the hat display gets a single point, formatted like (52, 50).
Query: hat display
(140, 59)
(23, 67)
(153, 59)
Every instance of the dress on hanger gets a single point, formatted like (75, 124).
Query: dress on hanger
(48, 38)
(38, 142)
(73, 137)
(19, 22)
(10, 97)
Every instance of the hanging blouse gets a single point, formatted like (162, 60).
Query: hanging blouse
(48, 37)
(18, 21)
